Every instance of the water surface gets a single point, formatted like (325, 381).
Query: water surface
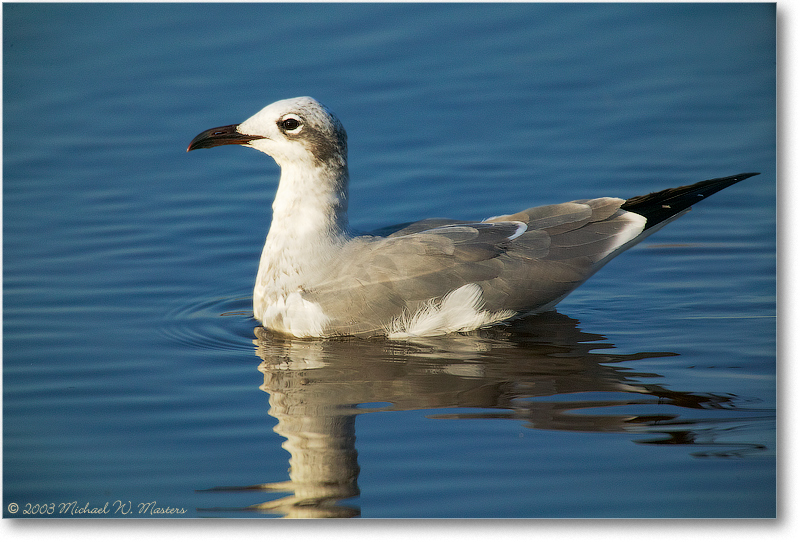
(133, 372)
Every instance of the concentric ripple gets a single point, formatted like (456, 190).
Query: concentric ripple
(221, 323)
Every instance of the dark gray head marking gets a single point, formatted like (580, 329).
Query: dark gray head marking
(321, 133)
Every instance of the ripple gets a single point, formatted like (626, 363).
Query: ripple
(221, 323)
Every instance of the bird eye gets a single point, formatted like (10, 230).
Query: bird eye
(290, 124)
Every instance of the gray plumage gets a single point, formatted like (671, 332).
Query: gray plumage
(316, 280)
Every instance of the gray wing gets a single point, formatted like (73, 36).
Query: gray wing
(564, 245)
(523, 262)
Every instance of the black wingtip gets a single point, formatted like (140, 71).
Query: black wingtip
(660, 206)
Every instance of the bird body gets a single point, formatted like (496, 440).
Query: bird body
(426, 278)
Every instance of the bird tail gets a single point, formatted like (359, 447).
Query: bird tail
(663, 205)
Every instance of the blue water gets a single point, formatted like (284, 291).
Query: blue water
(135, 379)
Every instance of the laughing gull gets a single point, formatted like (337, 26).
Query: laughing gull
(431, 277)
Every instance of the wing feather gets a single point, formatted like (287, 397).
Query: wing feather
(524, 261)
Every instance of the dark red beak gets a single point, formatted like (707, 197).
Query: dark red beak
(224, 135)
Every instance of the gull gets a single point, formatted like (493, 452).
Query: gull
(433, 277)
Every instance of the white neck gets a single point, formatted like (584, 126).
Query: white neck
(309, 218)
(311, 202)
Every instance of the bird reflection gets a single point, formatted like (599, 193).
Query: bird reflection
(542, 370)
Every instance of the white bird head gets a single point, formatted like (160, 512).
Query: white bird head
(294, 131)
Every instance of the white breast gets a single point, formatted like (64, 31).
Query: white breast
(291, 314)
